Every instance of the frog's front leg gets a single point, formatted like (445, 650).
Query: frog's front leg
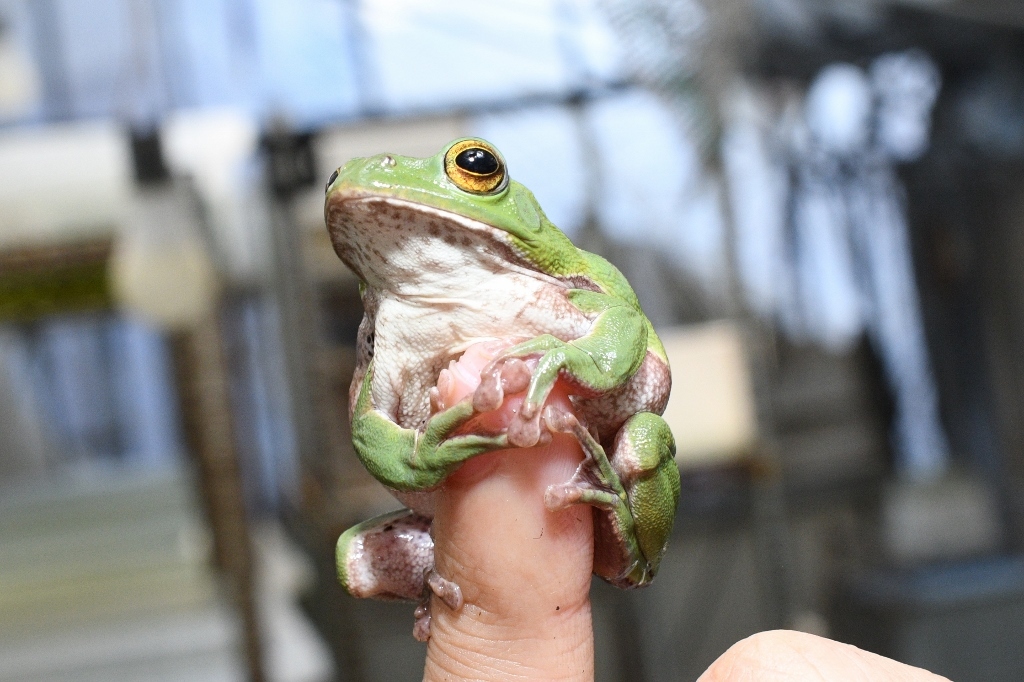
(410, 460)
(598, 362)
(637, 488)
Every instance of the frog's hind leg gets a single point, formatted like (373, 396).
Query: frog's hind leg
(386, 557)
(392, 557)
(635, 492)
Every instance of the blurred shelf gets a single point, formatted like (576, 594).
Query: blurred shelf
(1000, 12)
(106, 576)
(43, 279)
(830, 419)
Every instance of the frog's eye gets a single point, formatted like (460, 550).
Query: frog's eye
(475, 166)
(477, 161)
(330, 181)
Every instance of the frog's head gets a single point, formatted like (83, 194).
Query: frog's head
(397, 219)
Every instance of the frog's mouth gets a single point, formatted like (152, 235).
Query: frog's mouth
(389, 242)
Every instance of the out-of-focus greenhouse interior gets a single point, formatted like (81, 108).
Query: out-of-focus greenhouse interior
(818, 203)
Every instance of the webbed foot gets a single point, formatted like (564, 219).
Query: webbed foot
(500, 378)
(636, 489)
(594, 482)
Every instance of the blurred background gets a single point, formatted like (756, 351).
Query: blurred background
(817, 201)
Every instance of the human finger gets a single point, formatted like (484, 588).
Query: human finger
(779, 655)
(524, 571)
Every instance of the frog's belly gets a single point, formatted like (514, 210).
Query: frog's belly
(416, 337)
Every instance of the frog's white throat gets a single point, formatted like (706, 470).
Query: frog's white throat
(437, 282)
(418, 251)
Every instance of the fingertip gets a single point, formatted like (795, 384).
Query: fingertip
(792, 655)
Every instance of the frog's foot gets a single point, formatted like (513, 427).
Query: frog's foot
(595, 482)
(617, 554)
(500, 378)
(447, 591)
(503, 377)
(635, 492)
(392, 557)
(527, 432)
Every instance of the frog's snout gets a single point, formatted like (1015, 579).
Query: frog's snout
(367, 170)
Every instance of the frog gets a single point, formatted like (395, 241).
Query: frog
(450, 251)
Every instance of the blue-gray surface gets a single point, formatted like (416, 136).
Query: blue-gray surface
(311, 61)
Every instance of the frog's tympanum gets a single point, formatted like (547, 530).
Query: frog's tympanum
(451, 252)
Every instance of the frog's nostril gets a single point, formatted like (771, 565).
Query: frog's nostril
(334, 176)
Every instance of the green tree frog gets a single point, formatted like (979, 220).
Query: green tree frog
(450, 251)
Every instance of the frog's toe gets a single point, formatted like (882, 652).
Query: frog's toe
(446, 590)
(524, 433)
(593, 482)
(558, 497)
(498, 379)
(421, 627)
(559, 420)
(436, 401)
(515, 376)
(580, 490)
(489, 394)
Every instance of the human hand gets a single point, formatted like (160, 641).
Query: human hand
(525, 577)
(799, 657)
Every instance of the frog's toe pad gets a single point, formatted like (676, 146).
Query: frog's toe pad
(488, 395)
(559, 420)
(558, 497)
(447, 591)
(436, 401)
(515, 376)
(525, 433)
(421, 628)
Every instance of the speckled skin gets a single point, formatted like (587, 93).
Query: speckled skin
(394, 551)
(444, 268)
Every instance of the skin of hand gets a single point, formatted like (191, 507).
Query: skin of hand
(799, 657)
(525, 577)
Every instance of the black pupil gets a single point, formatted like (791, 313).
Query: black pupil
(478, 161)
(334, 176)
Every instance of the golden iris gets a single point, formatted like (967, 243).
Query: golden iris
(475, 166)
